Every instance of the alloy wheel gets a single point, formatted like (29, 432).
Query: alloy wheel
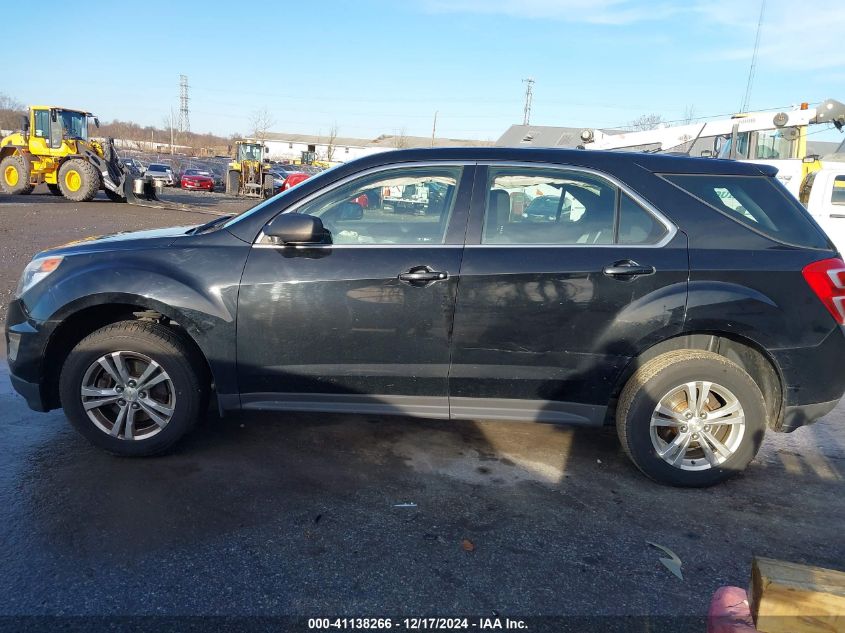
(128, 395)
(697, 426)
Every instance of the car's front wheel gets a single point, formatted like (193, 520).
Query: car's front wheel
(133, 388)
(691, 418)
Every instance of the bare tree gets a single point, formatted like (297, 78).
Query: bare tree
(689, 114)
(330, 147)
(261, 123)
(169, 122)
(400, 139)
(11, 111)
(646, 122)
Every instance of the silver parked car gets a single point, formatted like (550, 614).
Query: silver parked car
(161, 172)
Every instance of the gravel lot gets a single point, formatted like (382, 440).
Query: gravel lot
(29, 224)
(325, 515)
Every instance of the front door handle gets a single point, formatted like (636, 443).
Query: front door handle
(422, 276)
(627, 269)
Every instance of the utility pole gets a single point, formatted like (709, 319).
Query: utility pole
(434, 128)
(529, 96)
(747, 98)
(184, 114)
(172, 150)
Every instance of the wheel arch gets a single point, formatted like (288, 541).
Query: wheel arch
(83, 318)
(748, 354)
(9, 150)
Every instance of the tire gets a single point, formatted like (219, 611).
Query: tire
(14, 175)
(79, 180)
(113, 196)
(268, 185)
(183, 390)
(233, 182)
(54, 189)
(655, 383)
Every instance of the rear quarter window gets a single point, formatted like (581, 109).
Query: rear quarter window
(758, 202)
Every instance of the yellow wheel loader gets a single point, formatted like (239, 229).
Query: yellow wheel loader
(248, 174)
(54, 147)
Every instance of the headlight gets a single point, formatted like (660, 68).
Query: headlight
(35, 271)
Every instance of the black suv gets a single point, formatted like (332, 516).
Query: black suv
(692, 303)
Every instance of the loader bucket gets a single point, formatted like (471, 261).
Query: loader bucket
(139, 190)
(142, 192)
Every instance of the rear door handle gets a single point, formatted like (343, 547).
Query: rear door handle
(422, 276)
(627, 269)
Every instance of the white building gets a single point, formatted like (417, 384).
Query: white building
(291, 146)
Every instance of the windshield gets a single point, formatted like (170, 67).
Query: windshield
(279, 196)
(765, 144)
(74, 124)
(250, 151)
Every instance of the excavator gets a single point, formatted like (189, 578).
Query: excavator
(54, 147)
(778, 139)
(247, 174)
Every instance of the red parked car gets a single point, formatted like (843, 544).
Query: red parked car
(197, 179)
(294, 179)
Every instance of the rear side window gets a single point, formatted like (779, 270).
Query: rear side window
(757, 202)
(557, 207)
(636, 225)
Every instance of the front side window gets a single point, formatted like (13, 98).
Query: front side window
(402, 206)
(838, 195)
(528, 205)
(759, 202)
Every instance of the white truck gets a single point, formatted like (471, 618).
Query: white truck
(778, 139)
(823, 193)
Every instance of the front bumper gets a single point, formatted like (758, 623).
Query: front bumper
(26, 344)
(31, 392)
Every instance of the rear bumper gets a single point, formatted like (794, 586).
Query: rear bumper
(813, 380)
(801, 415)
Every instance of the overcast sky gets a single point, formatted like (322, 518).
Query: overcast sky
(381, 66)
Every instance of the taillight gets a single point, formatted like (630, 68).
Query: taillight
(827, 279)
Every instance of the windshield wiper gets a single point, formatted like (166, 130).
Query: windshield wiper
(202, 228)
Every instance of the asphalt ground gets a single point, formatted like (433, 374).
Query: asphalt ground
(281, 515)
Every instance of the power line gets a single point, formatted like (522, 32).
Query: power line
(747, 97)
(529, 97)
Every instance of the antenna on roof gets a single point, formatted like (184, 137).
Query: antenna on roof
(747, 98)
(529, 97)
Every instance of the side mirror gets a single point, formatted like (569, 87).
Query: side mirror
(53, 116)
(350, 211)
(25, 124)
(295, 229)
(97, 122)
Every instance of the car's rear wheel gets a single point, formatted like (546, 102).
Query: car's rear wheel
(233, 182)
(691, 418)
(133, 388)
